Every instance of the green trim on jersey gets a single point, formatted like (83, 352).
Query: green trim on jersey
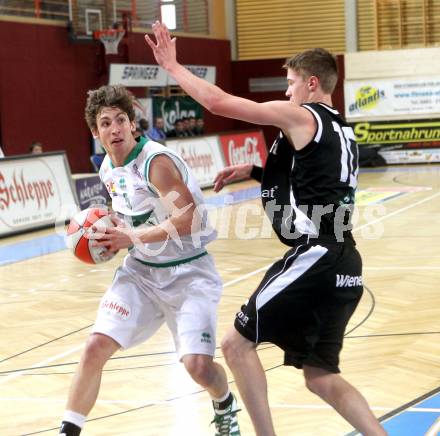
(137, 220)
(135, 152)
(172, 157)
(174, 262)
(146, 172)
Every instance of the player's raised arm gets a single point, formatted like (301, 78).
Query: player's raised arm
(277, 113)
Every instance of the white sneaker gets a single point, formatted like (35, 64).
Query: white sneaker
(226, 422)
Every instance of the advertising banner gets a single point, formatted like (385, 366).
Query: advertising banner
(34, 192)
(405, 134)
(137, 75)
(429, 155)
(369, 98)
(203, 156)
(246, 147)
(174, 108)
(153, 75)
(91, 192)
(204, 72)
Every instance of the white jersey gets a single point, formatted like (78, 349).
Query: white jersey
(137, 201)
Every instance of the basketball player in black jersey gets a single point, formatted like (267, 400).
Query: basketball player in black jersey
(305, 300)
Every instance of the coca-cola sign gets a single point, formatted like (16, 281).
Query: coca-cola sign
(247, 147)
(32, 192)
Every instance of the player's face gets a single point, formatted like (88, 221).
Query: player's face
(297, 87)
(115, 130)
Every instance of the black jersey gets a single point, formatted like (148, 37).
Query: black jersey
(311, 191)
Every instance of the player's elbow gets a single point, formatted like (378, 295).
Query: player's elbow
(213, 104)
(218, 104)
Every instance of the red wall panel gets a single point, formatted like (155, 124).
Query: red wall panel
(44, 80)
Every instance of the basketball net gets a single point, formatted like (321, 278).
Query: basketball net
(110, 38)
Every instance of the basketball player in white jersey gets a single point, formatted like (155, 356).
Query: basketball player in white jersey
(300, 305)
(167, 276)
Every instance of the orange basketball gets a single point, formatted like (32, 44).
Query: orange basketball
(79, 226)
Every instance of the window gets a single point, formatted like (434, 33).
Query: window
(168, 13)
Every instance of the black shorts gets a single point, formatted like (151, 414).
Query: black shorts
(304, 303)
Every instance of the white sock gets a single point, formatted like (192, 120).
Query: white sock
(221, 399)
(74, 418)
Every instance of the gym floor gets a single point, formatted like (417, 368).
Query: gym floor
(49, 300)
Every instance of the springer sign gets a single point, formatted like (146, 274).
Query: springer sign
(137, 75)
(153, 75)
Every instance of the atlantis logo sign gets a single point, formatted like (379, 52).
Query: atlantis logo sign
(367, 98)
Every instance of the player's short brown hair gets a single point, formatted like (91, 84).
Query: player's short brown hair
(108, 96)
(316, 62)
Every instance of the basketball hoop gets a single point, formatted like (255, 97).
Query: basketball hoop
(110, 38)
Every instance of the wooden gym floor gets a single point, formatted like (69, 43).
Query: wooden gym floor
(391, 353)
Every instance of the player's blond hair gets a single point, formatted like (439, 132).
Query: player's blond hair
(108, 96)
(316, 62)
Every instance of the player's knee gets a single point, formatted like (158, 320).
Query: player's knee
(232, 347)
(319, 385)
(98, 350)
(228, 349)
(312, 385)
(200, 368)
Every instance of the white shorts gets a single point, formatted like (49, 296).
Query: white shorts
(141, 298)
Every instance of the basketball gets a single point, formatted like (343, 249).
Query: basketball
(79, 226)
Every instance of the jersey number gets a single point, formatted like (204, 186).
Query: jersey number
(349, 167)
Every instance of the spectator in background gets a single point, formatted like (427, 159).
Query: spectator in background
(186, 127)
(157, 132)
(200, 127)
(144, 125)
(138, 132)
(192, 125)
(179, 130)
(36, 148)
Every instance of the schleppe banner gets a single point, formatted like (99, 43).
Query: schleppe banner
(202, 154)
(35, 192)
